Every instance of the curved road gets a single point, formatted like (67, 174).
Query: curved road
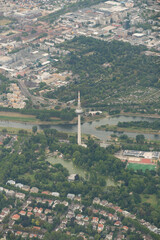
(35, 100)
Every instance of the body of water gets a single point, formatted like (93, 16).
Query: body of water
(72, 168)
(88, 127)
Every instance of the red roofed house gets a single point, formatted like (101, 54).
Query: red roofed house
(47, 211)
(110, 216)
(50, 202)
(79, 216)
(35, 210)
(40, 210)
(120, 210)
(117, 223)
(37, 228)
(86, 219)
(95, 211)
(46, 192)
(29, 214)
(15, 217)
(95, 220)
(32, 235)
(6, 211)
(30, 209)
(125, 228)
(100, 227)
(23, 213)
(18, 233)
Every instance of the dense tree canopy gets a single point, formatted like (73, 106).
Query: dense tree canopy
(103, 67)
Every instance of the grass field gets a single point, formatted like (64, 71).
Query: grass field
(142, 167)
(20, 119)
(149, 199)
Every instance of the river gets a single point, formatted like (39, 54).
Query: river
(88, 128)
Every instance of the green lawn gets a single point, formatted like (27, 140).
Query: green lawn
(21, 119)
(147, 198)
(142, 167)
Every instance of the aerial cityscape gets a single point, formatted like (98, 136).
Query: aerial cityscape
(80, 119)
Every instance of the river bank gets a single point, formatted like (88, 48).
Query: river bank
(27, 118)
(145, 115)
(115, 129)
(88, 128)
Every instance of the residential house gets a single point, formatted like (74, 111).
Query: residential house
(15, 217)
(20, 196)
(50, 219)
(19, 185)
(29, 209)
(11, 182)
(100, 227)
(110, 216)
(11, 223)
(95, 211)
(86, 219)
(43, 217)
(24, 235)
(65, 203)
(29, 214)
(10, 193)
(102, 221)
(26, 188)
(55, 194)
(22, 213)
(104, 203)
(34, 190)
(18, 233)
(46, 192)
(6, 211)
(125, 228)
(117, 223)
(95, 220)
(79, 217)
(96, 200)
(103, 213)
(73, 177)
(70, 196)
(47, 211)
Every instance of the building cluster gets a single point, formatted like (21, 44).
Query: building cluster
(28, 45)
(139, 157)
(142, 154)
(102, 216)
(125, 213)
(10, 140)
(15, 97)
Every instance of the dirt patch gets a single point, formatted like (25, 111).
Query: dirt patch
(14, 114)
(4, 22)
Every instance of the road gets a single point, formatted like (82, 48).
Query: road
(35, 100)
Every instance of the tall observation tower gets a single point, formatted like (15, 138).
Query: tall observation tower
(79, 111)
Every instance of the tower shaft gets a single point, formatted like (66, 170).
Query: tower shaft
(79, 111)
(79, 130)
(79, 100)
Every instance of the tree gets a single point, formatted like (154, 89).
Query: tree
(4, 130)
(140, 139)
(34, 129)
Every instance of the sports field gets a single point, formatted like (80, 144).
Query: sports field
(142, 167)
